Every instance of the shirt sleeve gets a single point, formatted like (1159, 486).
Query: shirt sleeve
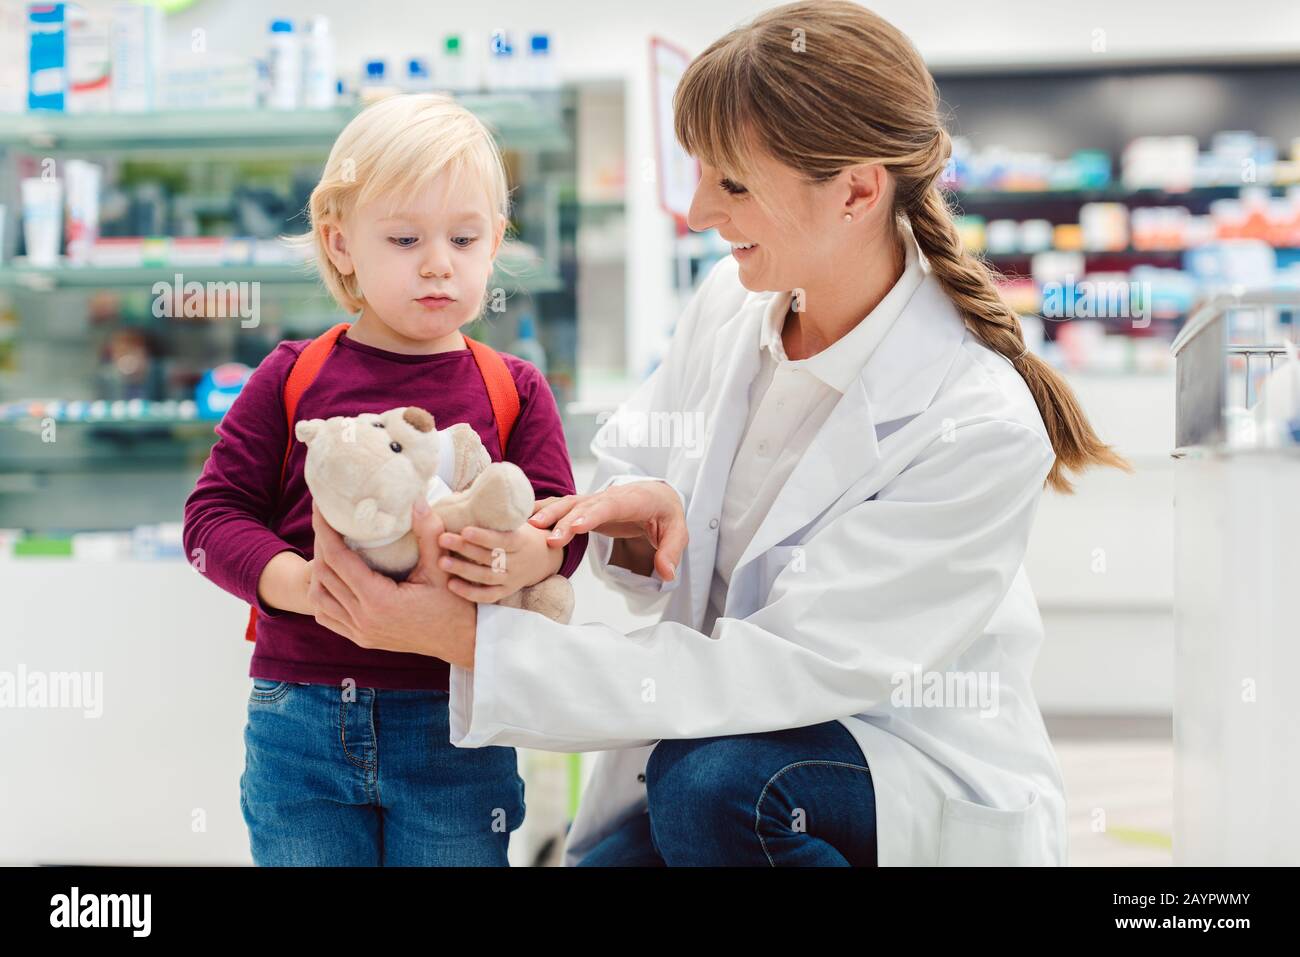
(537, 445)
(227, 516)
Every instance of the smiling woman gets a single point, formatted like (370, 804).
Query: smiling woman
(878, 442)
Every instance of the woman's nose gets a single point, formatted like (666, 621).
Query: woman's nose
(705, 212)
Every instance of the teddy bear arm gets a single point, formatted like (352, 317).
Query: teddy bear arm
(471, 457)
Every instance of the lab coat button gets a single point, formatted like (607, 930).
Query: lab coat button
(713, 523)
(641, 778)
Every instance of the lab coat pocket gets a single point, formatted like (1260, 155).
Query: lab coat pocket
(976, 835)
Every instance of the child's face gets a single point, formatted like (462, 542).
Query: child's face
(408, 258)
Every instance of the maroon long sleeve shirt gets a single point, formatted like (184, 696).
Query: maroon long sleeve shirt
(237, 519)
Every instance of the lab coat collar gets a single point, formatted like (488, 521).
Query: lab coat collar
(840, 364)
(898, 381)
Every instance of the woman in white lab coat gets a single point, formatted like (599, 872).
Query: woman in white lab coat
(824, 491)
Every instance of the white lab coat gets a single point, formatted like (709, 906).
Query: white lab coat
(893, 552)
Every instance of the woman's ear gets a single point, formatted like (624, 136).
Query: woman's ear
(336, 247)
(867, 185)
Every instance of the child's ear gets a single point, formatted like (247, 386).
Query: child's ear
(500, 234)
(336, 247)
(308, 429)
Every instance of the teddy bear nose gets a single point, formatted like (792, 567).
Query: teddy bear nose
(395, 446)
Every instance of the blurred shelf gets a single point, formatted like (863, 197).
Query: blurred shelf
(521, 120)
(1125, 254)
(41, 279)
(1112, 194)
(190, 425)
(517, 274)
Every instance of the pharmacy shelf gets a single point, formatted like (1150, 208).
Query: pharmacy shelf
(517, 274)
(521, 120)
(1111, 194)
(1133, 254)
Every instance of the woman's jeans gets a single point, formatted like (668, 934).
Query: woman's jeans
(372, 781)
(802, 797)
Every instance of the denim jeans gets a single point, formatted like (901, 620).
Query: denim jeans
(370, 782)
(797, 798)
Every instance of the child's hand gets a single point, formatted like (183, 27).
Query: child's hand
(489, 566)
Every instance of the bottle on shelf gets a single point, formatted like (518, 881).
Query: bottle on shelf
(418, 79)
(319, 89)
(374, 82)
(526, 345)
(501, 73)
(286, 67)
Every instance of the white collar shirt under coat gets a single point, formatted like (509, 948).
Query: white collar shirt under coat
(789, 401)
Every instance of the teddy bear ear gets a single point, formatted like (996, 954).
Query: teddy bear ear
(308, 429)
(418, 418)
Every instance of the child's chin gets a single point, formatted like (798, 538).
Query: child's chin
(430, 327)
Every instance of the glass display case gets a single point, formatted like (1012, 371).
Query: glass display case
(104, 364)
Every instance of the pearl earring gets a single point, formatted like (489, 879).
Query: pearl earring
(848, 217)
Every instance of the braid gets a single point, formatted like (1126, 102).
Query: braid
(969, 283)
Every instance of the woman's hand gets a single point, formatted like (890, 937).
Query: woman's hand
(419, 615)
(494, 565)
(651, 510)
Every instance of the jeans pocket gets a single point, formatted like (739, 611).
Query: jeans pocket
(267, 690)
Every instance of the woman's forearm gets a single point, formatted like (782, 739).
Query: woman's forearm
(637, 555)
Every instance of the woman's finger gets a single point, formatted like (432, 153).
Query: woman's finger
(471, 571)
(428, 527)
(333, 624)
(553, 510)
(328, 541)
(592, 513)
(336, 588)
(542, 503)
(668, 551)
(332, 551)
(473, 553)
(327, 607)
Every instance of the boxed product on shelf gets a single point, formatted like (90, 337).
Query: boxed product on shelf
(210, 81)
(1160, 162)
(1104, 226)
(47, 54)
(196, 251)
(136, 45)
(116, 251)
(88, 62)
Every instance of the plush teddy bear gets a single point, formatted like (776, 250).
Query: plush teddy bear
(366, 471)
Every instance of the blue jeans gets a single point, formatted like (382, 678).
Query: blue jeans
(370, 782)
(797, 798)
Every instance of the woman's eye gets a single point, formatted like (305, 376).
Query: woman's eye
(403, 241)
(462, 241)
(733, 188)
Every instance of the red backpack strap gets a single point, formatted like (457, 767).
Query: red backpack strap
(501, 389)
(301, 375)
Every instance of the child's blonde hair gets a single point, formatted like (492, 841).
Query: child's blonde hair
(393, 149)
